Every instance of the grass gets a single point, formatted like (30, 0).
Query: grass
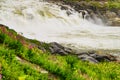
(13, 70)
(64, 67)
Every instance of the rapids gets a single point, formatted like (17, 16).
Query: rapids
(47, 22)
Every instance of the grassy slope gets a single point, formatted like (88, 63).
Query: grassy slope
(59, 67)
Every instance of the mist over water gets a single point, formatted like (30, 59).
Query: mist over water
(47, 22)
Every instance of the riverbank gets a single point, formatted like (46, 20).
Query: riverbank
(20, 56)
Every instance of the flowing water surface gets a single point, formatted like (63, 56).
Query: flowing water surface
(47, 22)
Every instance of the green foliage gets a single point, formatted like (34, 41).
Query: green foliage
(11, 43)
(65, 67)
(113, 5)
(2, 37)
(108, 4)
(12, 69)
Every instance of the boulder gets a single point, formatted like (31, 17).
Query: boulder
(86, 57)
(59, 49)
(100, 58)
(95, 58)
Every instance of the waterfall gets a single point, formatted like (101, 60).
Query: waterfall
(47, 22)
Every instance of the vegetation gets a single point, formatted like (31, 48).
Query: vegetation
(108, 4)
(14, 46)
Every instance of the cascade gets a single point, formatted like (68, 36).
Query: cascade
(47, 22)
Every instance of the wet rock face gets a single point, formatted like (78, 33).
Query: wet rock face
(86, 57)
(95, 58)
(109, 17)
(56, 48)
(68, 13)
(112, 18)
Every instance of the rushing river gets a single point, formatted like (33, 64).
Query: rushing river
(47, 22)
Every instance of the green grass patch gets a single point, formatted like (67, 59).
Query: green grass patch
(65, 67)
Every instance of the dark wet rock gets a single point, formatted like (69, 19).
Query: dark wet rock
(84, 13)
(86, 57)
(95, 58)
(57, 48)
(100, 58)
(113, 58)
(68, 10)
(68, 13)
(64, 7)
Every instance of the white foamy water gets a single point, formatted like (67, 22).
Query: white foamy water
(47, 22)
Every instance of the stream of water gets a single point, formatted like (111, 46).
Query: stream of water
(47, 22)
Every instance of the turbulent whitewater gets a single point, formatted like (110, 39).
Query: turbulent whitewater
(47, 22)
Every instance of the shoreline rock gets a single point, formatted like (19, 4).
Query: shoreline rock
(93, 57)
(59, 49)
